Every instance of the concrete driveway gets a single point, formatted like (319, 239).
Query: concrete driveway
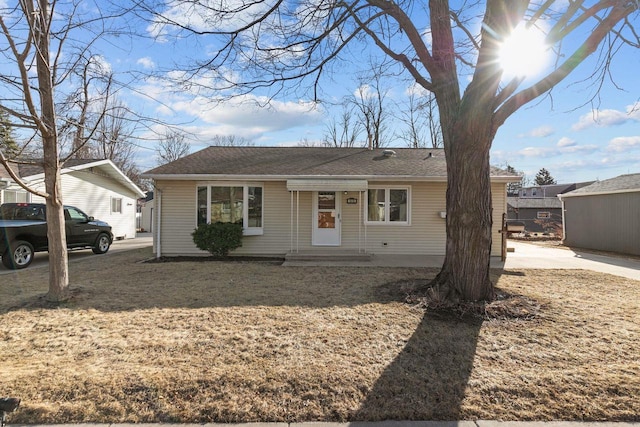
(527, 255)
(41, 259)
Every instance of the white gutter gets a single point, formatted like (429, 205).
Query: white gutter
(598, 193)
(264, 178)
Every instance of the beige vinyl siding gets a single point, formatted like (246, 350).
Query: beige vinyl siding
(499, 202)
(352, 224)
(426, 232)
(424, 235)
(92, 193)
(178, 212)
(275, 223)
(178, 217)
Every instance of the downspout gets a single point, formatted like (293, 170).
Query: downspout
(158, 223)
(360, 220)
(363, 219)
(564, 229)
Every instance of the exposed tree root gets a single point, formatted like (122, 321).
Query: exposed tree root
(438, 300)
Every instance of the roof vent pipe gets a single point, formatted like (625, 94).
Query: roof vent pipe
(388, 153)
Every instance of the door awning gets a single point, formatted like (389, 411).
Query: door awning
(327, 184)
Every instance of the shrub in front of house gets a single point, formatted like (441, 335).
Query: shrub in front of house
(218, 238)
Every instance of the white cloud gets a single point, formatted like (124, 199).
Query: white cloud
(146, 62)
(566, 142)
(248, 116)
(584, 149)
(542, 131)
(204, 16)
(414, 89)
(608, 117)
(564, 146)
(537, 152)
(624, 143)
(99, 65)
(364, 92)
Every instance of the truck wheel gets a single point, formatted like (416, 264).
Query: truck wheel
(102, 244)
(18, 256)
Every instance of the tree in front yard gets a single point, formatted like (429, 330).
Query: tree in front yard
(454, 50)
(47, 47)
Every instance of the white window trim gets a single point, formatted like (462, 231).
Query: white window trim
(547, 215)
(246, 231)
(387, 204)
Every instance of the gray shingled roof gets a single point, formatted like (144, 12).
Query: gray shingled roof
(532, 203)
(310, 161)
(628, 182)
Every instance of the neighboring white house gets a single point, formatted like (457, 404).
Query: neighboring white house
(97, 187)
(294, 200)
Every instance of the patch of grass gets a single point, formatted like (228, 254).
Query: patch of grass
(246, 341)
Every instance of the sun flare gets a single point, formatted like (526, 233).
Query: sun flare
(524, 53)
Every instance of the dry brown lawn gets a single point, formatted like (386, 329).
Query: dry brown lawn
(248, 341)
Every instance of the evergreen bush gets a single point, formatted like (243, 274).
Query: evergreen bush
(218, 238)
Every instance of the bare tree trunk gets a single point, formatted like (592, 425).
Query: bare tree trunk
(56, 233)
(58, 261)
(465, 272)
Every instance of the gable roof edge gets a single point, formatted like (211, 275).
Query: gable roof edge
(121, 176)
(598, 193)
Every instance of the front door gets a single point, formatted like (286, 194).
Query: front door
(326, 218)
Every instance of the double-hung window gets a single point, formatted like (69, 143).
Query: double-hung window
(116, 205)
(388, 205)
(236, 203)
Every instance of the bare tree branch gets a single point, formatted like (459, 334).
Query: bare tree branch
(616, 15)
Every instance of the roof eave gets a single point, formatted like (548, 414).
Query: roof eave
(214, 177)
(598, 193)
(127, 182)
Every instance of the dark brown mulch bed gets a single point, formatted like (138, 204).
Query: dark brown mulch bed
(266, 260)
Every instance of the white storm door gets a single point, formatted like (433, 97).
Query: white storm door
(326, 218)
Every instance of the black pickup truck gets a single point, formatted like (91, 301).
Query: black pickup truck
(23, 231)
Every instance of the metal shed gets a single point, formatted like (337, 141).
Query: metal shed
(604, 215)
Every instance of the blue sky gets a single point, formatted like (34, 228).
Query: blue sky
(575, 139)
